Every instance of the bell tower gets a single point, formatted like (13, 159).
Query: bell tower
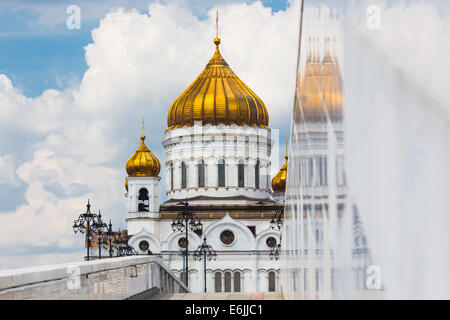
(142, 185)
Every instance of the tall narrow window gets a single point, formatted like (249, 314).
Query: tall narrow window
(227, 281)
(143, 200)
(257, 174)
(201, 173)
(183, 174)
(237, 282)
(171, 175)
(240, 174)
(221, 172)
(218, 282)
(271, 281)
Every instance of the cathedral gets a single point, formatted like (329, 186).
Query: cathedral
(217, 164)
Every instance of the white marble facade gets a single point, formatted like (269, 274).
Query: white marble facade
(244, 264)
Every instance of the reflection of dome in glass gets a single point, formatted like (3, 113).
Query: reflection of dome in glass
(320, 87)
(217, 96)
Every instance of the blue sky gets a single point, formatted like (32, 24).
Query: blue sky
(38, 55)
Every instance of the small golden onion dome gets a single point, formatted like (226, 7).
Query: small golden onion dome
(143, 163)
(126, 184)
(279, 180)
(217, 96)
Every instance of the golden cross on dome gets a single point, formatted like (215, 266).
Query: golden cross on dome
(142, 125)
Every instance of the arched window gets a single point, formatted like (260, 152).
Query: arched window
(241, 174)
(183, 175)
(143, 200)
(257, 174)
(171, 175)
(237, 282)
(271, 281)
(227, 281)
(218, 282)
(201, 173)
(221, 172)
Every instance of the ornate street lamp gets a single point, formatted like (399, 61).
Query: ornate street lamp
(206, 251)
(277, 222)
(118, 243)
(184, 219)
(110, 237)
(99, 226)
(84, 224)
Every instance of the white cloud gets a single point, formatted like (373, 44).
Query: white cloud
(7, 171)
(79, 139)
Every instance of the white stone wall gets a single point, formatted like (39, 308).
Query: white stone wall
(234, 144)
(114, 278)
(248, 255)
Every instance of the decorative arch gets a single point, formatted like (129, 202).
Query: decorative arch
(244, 239)
(262, 237)
(153, 241)
(171, 244)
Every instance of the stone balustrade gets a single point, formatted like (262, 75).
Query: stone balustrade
(130, 277)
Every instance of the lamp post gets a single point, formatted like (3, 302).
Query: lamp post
(118, 243)
(110, 235)
(183, 276)
(184, 219)
(206, 251)
(277, 222)
(84, 224)
(99, 226)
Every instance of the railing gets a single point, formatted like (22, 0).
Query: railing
(134, 277)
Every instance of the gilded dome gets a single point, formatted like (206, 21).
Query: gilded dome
(279, 180)
(143, 163)
(217, 96)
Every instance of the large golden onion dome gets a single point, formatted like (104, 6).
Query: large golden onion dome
(217, 96)
(143, 163)
(321, 86)
(279, 180)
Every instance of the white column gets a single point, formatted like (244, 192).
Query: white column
(177, 174)
(232, 281)
(211, 173)
(231, 173)
(223, 281)
(255, 273)
(191, 174)
(251, 174)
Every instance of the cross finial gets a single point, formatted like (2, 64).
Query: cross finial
(217, 23)
(143, 135)
(216, 39)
